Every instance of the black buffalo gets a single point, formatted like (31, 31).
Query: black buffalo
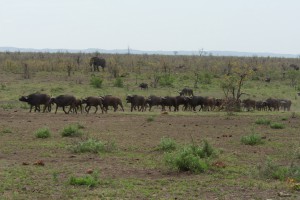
(153, 100)
(285, 104)
(249, 104)
(96, 62)
(186, 92)
(93, 101)
(260, 105)
(113, 101)
(143, 86)
(272, 103)
(195, 101)
(36, 100)
(63, 101)
(181, 100)
(136, 101)
(169, 101)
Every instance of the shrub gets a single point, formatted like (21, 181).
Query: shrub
(192, 158)
(119, 82)
(88, 180)
(93, 146)
(253, 139)
(277, 125)
(167, 144)
(42, 133)
(96, 82)
(186, 160)
(263, 121)
(71, 130)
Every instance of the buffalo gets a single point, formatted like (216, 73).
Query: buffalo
(153, 100)
(169, 101)
(249, 104)
(181, 100)
(209, 103)
(186, 92)
(260, 105)
(272, 103)
(93, 101)
(285, 104)
(195, 101)
(96, 62)
(136, 101)
(63, 101)
(143, 86)
(113, 101)
(37, 99)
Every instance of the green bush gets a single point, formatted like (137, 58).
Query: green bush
(192, 158)
(167, 144)
(119, 82)
(277, 125)
(88, 180)
(253, 139)
(71, 130)
(263, 121)
(42, 133)
(96, 82)
(93, 146)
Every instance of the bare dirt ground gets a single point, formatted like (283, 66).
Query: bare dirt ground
(136, 170)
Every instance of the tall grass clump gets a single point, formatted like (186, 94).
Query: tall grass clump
(192, 158)
(96, 82)
(42, 133)
(93, 146)
(253, 139)
(71, 130)
(276, 125)
(88, 180)
(262, 121)
(167, 144)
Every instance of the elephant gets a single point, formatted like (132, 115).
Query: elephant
(95, 62)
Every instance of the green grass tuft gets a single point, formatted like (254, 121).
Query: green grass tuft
(262, 121)
(93, 146)
(253, 139)
(167, 144)
(277, 125)
(71, 130)
(42, 133)
(88, 180)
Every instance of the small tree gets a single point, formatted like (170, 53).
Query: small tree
(232, 84)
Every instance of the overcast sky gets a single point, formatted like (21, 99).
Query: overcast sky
(229, 25)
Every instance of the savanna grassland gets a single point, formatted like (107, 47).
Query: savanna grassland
(148, 155)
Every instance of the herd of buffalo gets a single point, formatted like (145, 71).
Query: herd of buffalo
(140, 103)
